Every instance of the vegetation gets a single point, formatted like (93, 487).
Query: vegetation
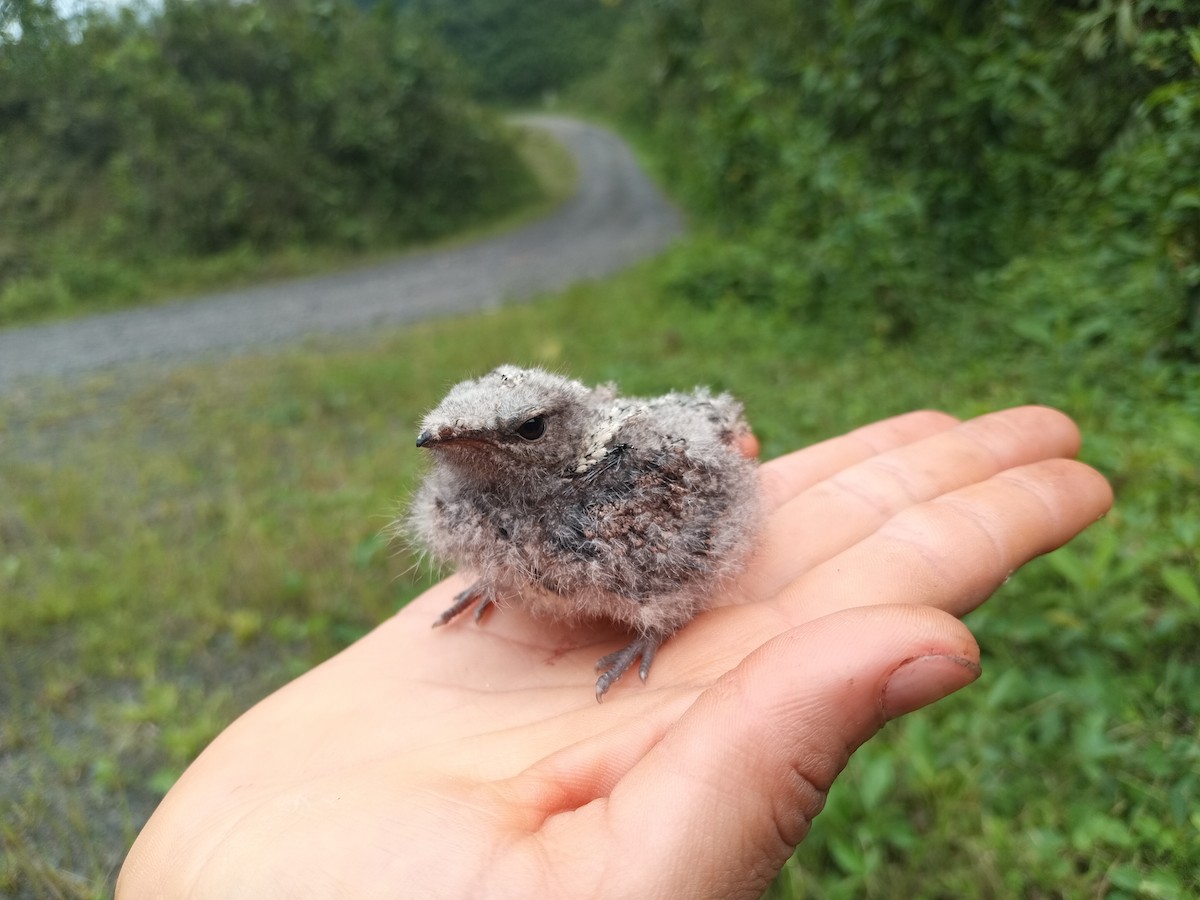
(898, 205)
(969, 205)
(217, 137)
(522, 51)
(905, 163)
(173, 547)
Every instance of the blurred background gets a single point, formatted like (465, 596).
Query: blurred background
(890, 205)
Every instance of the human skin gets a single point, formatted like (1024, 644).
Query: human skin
(473, 761)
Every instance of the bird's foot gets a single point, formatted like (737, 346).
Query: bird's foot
(614, 665)
(463, 601)
(485, 603)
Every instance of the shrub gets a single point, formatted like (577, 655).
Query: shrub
(214, 124)
(908, 155)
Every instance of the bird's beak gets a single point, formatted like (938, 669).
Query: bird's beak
(439, 437)
(454, 435)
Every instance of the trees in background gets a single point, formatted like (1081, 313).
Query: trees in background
(517, 51)
(213, 124)
(904, 159)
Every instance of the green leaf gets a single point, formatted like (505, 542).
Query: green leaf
(876, 780)
(1183, 584)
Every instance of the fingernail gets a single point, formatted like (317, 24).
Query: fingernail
(922, 680)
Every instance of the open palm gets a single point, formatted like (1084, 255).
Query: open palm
(474, 760)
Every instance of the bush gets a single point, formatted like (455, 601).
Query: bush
(215, 124)
(903, 153)
(519, 51)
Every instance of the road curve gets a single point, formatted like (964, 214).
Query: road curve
(615, 217)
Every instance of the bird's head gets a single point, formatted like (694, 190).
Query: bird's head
(513, 422)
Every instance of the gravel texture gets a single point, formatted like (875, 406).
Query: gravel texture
(616, 217)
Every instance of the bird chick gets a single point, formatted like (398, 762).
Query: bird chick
(580, 505)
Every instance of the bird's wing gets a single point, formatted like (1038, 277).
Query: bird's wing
(698, 418)
(640, 525)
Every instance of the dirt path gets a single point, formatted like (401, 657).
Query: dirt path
(615, 218)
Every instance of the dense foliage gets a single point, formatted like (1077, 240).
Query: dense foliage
(210, 125)
(519, 51)
(905, 159)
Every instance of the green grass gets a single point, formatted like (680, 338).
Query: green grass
(174, 546)
(82, 284)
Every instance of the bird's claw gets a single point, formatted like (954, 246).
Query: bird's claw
(462, 602)
(485, 603)
(616, 664)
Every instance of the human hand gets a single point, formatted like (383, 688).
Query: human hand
(474, 761)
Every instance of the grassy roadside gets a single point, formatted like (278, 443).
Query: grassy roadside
(172, 551)
(112, 284)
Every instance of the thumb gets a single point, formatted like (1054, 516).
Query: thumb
(735, 784)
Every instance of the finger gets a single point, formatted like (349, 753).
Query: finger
(747, 445)
(733, 786)
(953, 551)
(786, 476)
(848, 506)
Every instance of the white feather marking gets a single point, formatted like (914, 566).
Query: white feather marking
(598, 444)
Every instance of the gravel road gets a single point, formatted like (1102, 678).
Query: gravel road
(615, 217)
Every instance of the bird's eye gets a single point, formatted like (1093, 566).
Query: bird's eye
(532, 429)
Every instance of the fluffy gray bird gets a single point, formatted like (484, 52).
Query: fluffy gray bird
(581, 505)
